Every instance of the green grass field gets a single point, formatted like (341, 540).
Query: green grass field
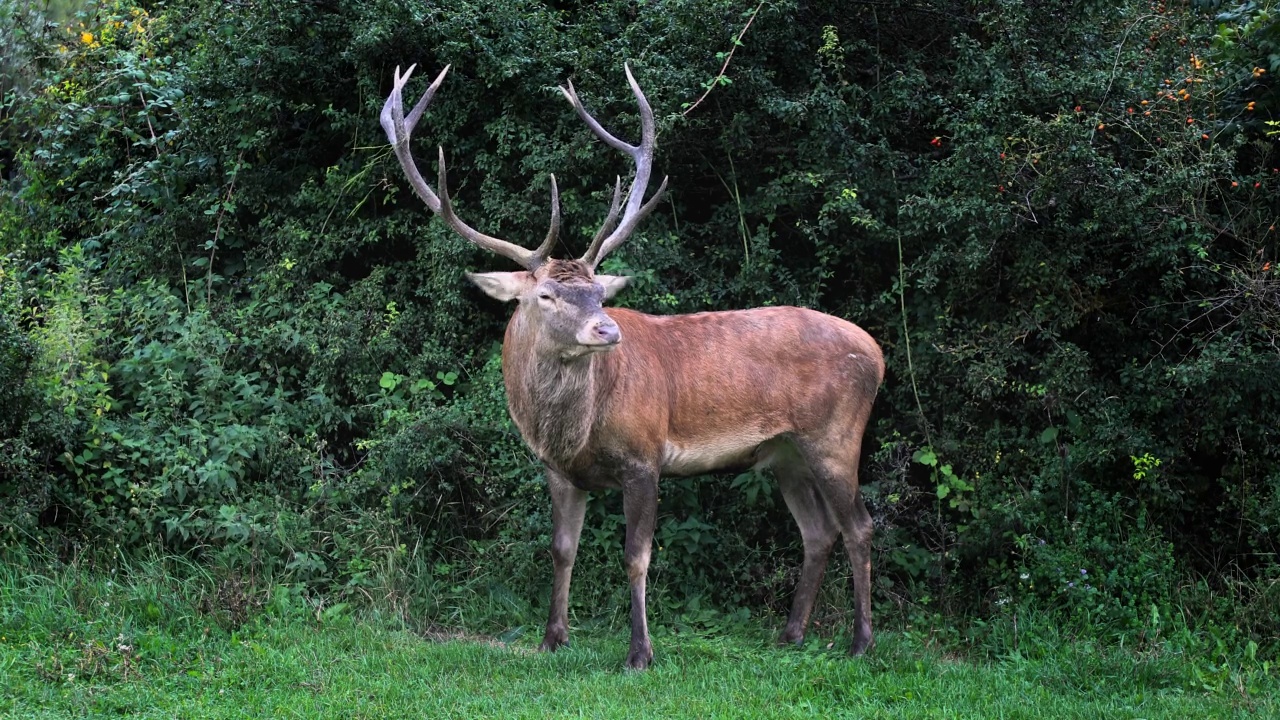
(87, 646)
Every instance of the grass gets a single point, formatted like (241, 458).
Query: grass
(77, 643)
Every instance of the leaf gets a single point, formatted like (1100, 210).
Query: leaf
(1049, 435)
(389, 380)
(926, 456)
(943, 490)
(334, 611)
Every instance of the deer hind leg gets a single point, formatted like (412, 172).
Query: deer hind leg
(640, 506)
(837, 483)
(568, 509)
(817, 530)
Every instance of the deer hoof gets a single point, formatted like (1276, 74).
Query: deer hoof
(554, 640)
(640, 659)
(861, 641)
(791, 637)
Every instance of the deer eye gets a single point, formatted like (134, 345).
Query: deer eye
(544, 296)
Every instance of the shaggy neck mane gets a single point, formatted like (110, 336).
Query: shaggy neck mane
(553, 401)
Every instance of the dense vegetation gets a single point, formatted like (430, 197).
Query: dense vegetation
(227, 327)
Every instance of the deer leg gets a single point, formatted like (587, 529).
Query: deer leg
(819, 535)
(568, 508)
(640, 506)
(857, 541)
(837, 483)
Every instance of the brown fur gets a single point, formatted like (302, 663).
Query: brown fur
(784, 387)
(566, 271)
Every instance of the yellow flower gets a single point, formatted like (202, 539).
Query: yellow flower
(86, 37)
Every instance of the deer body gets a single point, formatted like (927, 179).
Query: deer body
(690, 394)
(615, 399)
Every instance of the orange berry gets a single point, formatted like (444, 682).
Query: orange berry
(1235, 184)
(1190, 120)
(1204, 136)
(1102, 126)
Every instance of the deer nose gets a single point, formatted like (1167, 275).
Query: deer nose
(606, 331)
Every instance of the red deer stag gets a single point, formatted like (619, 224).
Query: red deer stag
(616, 398)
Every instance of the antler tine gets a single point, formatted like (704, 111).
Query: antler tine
(641, 155)
(572, 96)
(630, 220)
(544, 250)
(399, 129)
(610, 221)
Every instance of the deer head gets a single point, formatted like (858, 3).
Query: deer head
(561, 301)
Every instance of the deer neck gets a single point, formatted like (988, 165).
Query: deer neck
(553, 401)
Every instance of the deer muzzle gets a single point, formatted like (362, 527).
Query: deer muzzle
(601, 333)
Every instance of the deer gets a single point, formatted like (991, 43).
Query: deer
(614, 399)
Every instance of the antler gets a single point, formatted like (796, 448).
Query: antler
(610, 237)
(398, 129)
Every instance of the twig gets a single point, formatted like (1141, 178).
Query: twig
(217, 233)
(146, 113)
(1119, 49)
(737, 41)
(906, 340)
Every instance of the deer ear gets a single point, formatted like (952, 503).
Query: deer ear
(502, 286)
(612, 284)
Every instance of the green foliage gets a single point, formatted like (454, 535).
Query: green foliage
(227, 327)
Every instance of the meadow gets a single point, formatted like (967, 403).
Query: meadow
(164, 639)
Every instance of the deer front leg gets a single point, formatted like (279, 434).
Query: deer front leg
(568, 508)
(640, 505)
